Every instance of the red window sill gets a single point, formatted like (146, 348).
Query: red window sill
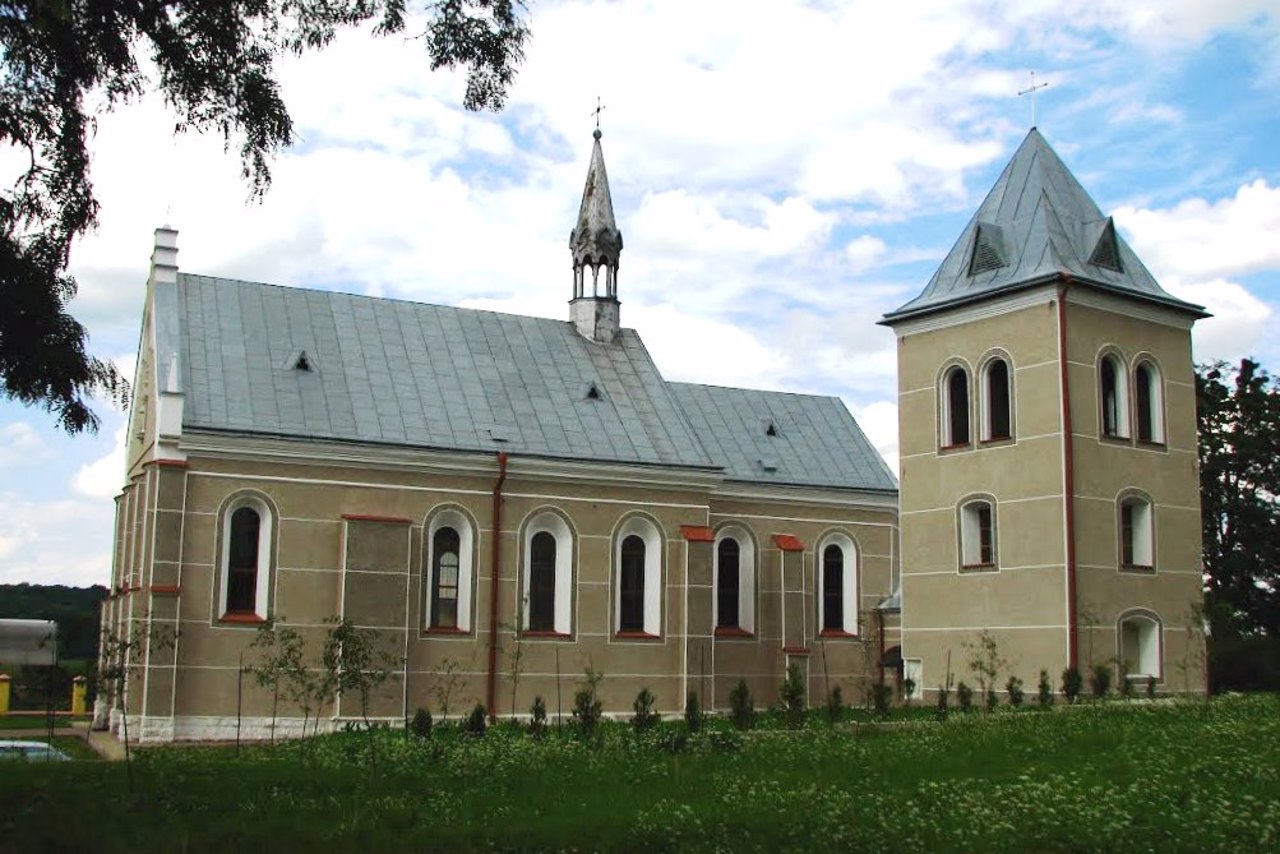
(836, 633)
(545, 633)
(732, 632)
(796, 650)
(636, 636)
(240, 617)
(978, 567)
(446, 630)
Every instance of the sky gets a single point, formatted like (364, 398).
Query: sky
(783, 173)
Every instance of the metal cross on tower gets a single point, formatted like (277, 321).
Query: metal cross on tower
(596, 112)
(1031, 90)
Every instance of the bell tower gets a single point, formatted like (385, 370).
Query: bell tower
(596, 244)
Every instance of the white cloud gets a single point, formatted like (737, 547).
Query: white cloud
(53, 542)
(879, 420)
(104, 477)
(21, 444)
(864, 252)
(1239, 323)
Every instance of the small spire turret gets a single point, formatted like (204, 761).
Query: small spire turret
(596, 244)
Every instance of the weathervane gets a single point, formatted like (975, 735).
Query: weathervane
(596, 112)
(1031, 90)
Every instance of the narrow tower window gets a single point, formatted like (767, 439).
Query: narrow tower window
(1114, 399)
(977, 535)
(446, 546)
(727, 589)
(955, 399)
(1149, 403)
(631, 617)
(542, 582)
(242, 561)
(997, 400)
(832, 588)
(1136, 540)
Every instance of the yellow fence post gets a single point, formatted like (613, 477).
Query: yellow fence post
(4, 693)
(79, 687)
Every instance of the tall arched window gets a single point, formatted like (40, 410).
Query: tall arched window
(1137, 533)
(1113, 396)
(837, 574)
(548, 574)
(955, 407)
(542, 582)
(997, 415)
(245, 571)
(448, 569)
(1139, 642)
(978, 534)
(631, 588)
(734, 572)
(446, 547)
(1149, 402)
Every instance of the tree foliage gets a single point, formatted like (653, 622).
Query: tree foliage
(63, 61)
(1239, 422)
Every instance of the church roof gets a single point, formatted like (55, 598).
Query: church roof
(389, 371)
(785, 439)
(1037, 224)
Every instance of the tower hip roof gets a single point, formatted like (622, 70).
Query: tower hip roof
(1037, 224)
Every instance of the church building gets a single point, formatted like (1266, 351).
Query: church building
(505, 502)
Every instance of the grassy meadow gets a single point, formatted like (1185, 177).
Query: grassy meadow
(1113, 776)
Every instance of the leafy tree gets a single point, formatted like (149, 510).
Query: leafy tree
(63, 61)
(1239, 421)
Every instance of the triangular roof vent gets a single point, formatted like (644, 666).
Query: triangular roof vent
(303, 362)
(1107, 251)
(591, 390)
(988, 249)
(771, 428)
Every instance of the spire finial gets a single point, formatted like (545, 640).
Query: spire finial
(1031, 90)
(596, 112)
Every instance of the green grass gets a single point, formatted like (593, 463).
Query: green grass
(1193, 777)
(32, 722)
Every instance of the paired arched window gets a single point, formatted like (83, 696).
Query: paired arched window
(955, 407)
(247, 524)
(735, 574)
(450, 547)
(1137, 533)
(1139, 639)
(978, 534)
(1113, 396)
(638, 578)
(1149, 402)
(837, 574)
(548, 574)
(997, 400)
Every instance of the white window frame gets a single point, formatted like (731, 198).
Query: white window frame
(555, 525)
(746, 577)
(1155, 399)
(266, 569)
(913, 669)
(450, 517)
(970, 524)
(1143, 527)
(1150, 644)
(647, 531)
(1123, 428)
(848, 578)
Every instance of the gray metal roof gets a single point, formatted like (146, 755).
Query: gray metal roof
(817, 442)
(1036, 224)
(408, 373)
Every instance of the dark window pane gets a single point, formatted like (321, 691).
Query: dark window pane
(242, 560)
(1110, 401)
(542, 582)
(958, 406)
(1142, 387)
(1126, 533)
(445, 547)
(986, 536)
(998, 399)
(727, 591)
(833, 588)
(631, 618)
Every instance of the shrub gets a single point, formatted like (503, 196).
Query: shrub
(645, 717)
(538, 718)
(1044, 692)
(692, 712)
(586, 711)
(1014, 689)
(476, 721)
(944, 695)
(964, 697)
(991, 699)
(422, 723)
(1072, 682)
(741, 706)
(1100, 680)
(881, 698)
(835, 704)
(791, 695)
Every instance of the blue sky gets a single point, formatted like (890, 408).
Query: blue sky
(783, 173)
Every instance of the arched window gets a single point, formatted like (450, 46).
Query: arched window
(978, 534)
(955, 407)
(245, 574)
(638, 578)
(1137, 540)
(1139, 642)
(448, 571)
(997, 414)
(1149, 402)
(548, 574)
(735, 572)
(1114, 398)
(837, 574)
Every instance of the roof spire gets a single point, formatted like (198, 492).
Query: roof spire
(1031, 90)
(596, 243)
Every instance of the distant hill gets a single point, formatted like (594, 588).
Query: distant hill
(74, 609)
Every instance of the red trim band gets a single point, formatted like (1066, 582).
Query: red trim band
(698, 533)
(364, 517)
(788, 542)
